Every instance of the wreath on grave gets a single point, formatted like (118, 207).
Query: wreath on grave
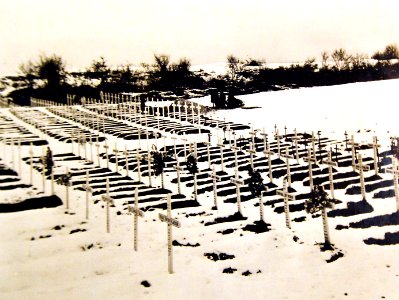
(158, 160)
(318, 200)
(65, 179)
(255, 183)
(192, 166)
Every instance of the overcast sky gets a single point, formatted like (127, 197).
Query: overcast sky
(129, 31)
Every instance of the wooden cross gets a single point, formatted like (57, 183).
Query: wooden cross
(221, 145)
(235, 149)
(362, 168)
(394, 171)
(287, 196)
(171, 222)
(88, 190)
(353, 145)
(98, 152)
(136, 213)
(138, 158)
(251, 151)
(269, 153)
(237, 183)
(330, 164)
(375, 146)
(313, 140)
(184, 139)
(310, 160)
(278, 143)
(174, 138)
(215, 178)
(253, 135)
(106, 153)
(264, 134)
(116, 151)
(108, 200)
(126, 153)
(149, 161)
(43, 170)
(287, 157)
(295, 139)
(208, 153)
(229, 130)
(91, 147)
(178, 170)
(31, 162)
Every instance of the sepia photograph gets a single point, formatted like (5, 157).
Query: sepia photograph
(199, 149)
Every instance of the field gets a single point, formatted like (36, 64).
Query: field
(63, 242)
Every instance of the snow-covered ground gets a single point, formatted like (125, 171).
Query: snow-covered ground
(50, 254)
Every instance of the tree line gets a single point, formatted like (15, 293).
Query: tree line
(47, 77)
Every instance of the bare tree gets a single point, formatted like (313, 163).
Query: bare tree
(161, 63)
(52, 69)
(341, 59)
(359, 60)
(324, 59)
(234, 65)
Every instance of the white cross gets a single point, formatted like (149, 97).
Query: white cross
(221, 145)
(108, 200)
(269, 153)
(287, 196)
(136, 213)
(288, 156)
(375, 146)
(178, 170)
(362, 168)
(330, 164)
(296, 138)
(394, 171)
(126, 153)
(116, 151)
(215, 178)
(88, 190)
(251, 151)
(138, 158)
(171, 222)
(237, 183)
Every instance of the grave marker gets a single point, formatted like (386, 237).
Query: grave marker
(88, 190)
(221, 146)
(287, 157)
(178, 170)
(215, 179)
(106, 153)
(108, 200)
(171, 222)
(136, 213)
(269, 160)
(375, 146)
(330, 164)
(208, 153)
(138, 158)
(296, 138)
(43, 160)
(310, 160)
(149, 161)
(287, 196)
(394, 171)
(126, 153)
(116, 158)
(31, 164)
(237, 183)
(251, 151)
(362, 168)
(98, 152)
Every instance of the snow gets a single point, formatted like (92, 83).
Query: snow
(38, 261)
